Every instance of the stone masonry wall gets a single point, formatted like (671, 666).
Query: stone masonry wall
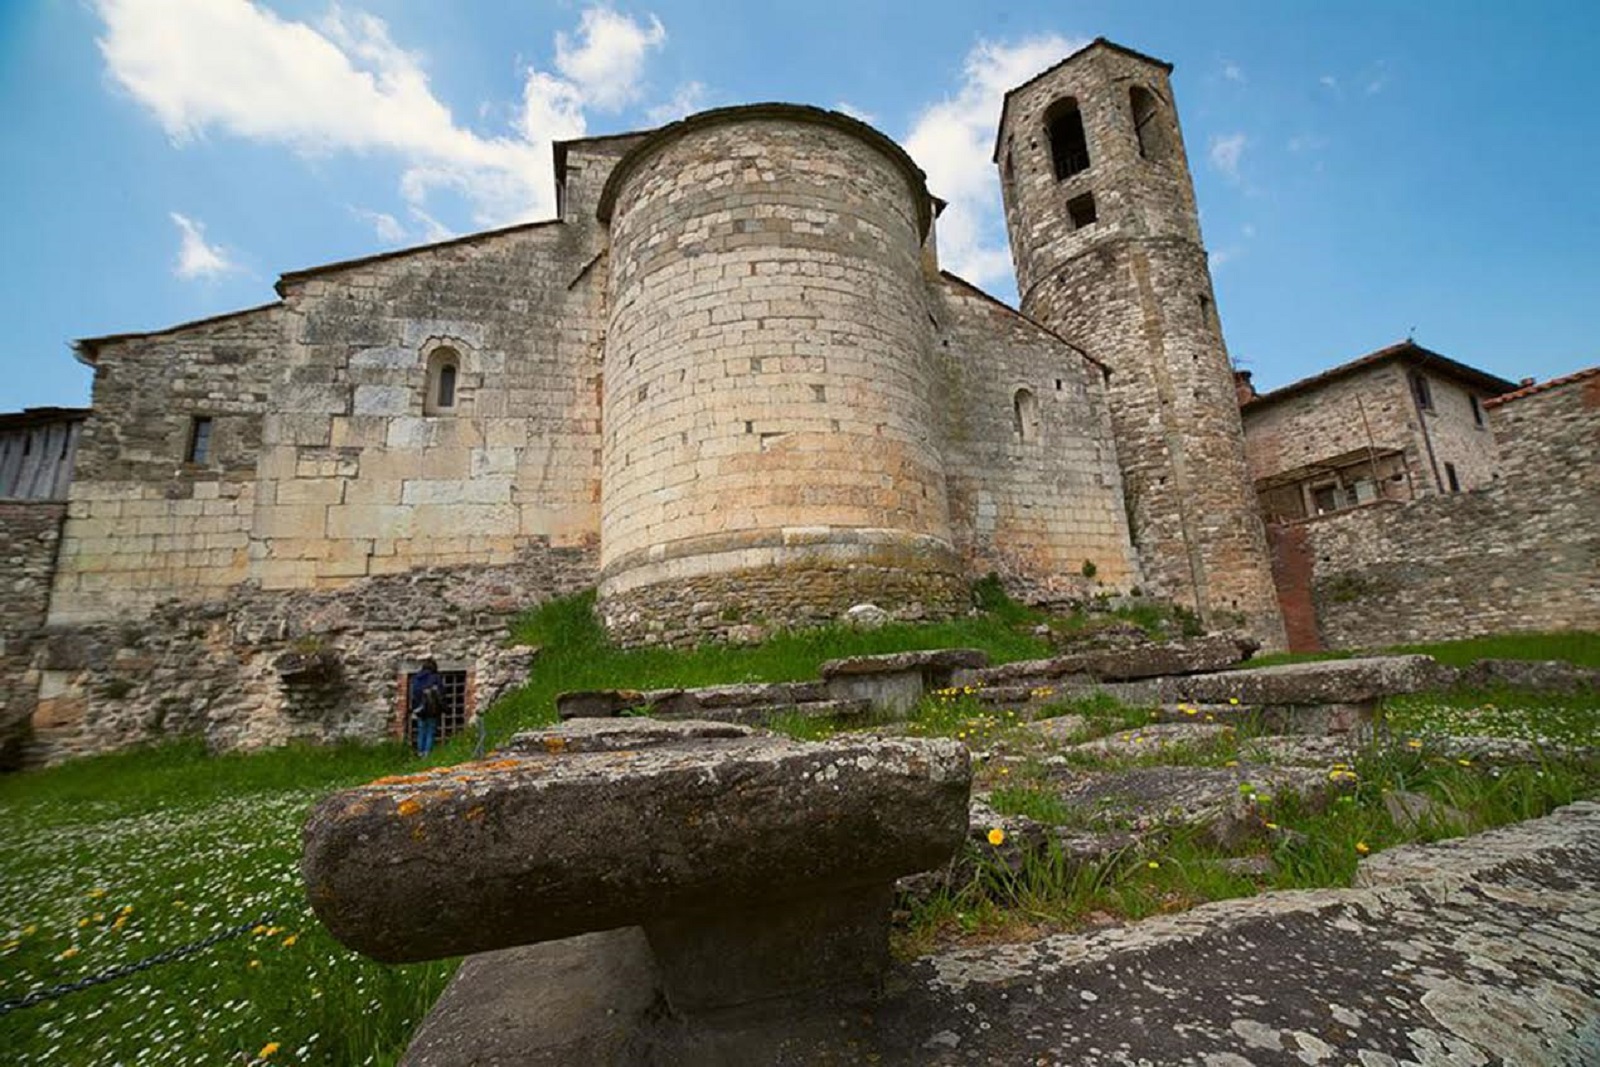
(1133, 288)
(358, 479)
(264, 667)
(1035, 492)
(1327, 421)
(30, 533)
(1520, 555)
(767, 361)
(143, 525)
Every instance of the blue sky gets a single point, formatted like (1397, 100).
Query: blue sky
(1364, 170)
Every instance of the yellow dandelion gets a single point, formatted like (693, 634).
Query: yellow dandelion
(1153, 865)
(1005, 770)
(254, 964)
(1271, 825)
(290, 940)
(1413, 743)
(258, 930)
(997, 837)
(96, 893)
(1464, 762)
(68, 953)
(1233, 700)
(1362, 847)
(82, 923)
(267, 1050)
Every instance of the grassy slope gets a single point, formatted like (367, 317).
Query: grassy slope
(114, 858)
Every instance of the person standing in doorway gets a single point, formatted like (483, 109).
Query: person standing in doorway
(427, 704)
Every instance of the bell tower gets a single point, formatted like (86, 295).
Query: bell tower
(1105, 238)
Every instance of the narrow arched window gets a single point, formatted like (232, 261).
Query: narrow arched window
(1069, 145)
(1025, 415)
(1149, 124)
(444, 370)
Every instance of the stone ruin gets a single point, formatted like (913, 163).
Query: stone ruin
(635, 890)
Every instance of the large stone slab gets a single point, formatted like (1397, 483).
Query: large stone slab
(568, 833)
(894, 683)
(1335, 681)
(1121, 664)
(1479, 951)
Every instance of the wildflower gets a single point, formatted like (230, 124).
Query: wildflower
(1005, 770)
(30, 930)
(1414, 743)
(1153, 865)
(1464, 762)
(258, 930)
(1270, 825)
(1362, 847)
(267, 1050)
(1233, 700)
(67, 954)
(290, 940)
(254, 964)
(997, 837)
(96, 893)
(1231, 763)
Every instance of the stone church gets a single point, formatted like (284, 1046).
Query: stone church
(728, 386)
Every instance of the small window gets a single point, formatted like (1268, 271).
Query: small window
(1208, 317)
(1081, 209)
(1451, 478)
(1477, 411)
(455, 705)
(444, 370)
(199, 450)
(1025, 415)
(1069, 146)
(1424, 395)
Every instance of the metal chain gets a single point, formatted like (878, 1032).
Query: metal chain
(124, 969)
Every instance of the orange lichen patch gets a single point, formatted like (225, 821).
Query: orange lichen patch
(474, 813)
(400, 779)
(555, 744)
(469, 770)
(408, 807)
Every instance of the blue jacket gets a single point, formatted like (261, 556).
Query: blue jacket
(421, 682)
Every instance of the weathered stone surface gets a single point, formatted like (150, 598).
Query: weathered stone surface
(1338, 681)
(1414, 811)
(1133, 662)
(597, 703)
(1479, 950)
(1156, 739)
(1547, 676)
(617, 735)
(571, 841)
(1061, 728)
(866, 617)
(934, 661)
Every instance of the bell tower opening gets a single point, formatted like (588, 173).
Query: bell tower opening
(1069, 145)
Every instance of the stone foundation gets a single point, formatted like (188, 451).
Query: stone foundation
(264, 668)
(748, 605)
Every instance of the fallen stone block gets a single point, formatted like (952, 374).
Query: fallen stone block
(1123, 664)
(758, 866)
(1157, 739)
(1335, 681)
(597, 703)
(895, 683)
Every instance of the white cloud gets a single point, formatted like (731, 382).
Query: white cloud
(1225, 153)
(606, 58)
(196, 259)
(388, 228)
(847, 108)
(953, 141)
(231, 66)
(1232, 71)
(690, 97)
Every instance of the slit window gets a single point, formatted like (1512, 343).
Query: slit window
(1149, 125)
(1025, 415)
(444, 373)
(455, 715)
(1424, 394)
(1451, 477)
(1477, 410)
(1081, 210)
(1069, 145)
(199, 450)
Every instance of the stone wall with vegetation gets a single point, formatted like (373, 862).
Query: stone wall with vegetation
(264, 667)
(1521, 555)
(30, 533)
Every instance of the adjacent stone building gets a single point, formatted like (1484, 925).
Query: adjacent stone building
(1401, 423)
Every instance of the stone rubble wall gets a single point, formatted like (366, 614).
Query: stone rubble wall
(264, 667)
(1038, 505)
(1521, 555)
(30, 534)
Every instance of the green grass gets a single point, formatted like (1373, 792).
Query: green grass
(1577, 647)
(116, 858)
